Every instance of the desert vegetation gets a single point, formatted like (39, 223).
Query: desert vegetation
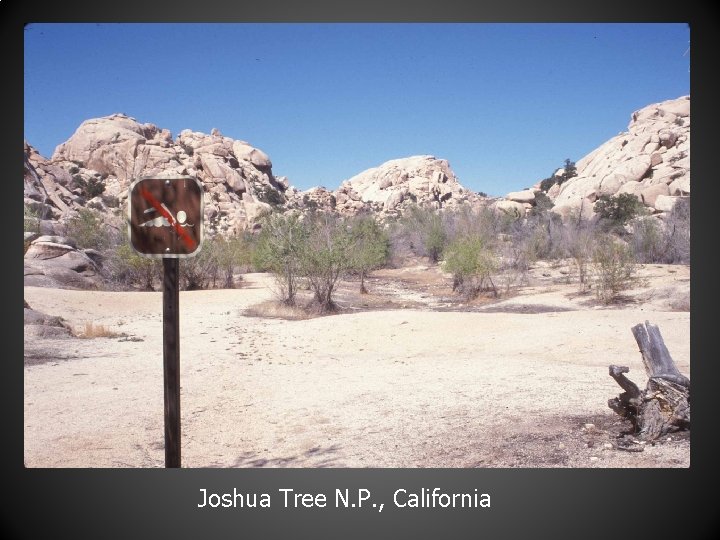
(482, 251)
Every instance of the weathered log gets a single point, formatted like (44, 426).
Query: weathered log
(664, 406)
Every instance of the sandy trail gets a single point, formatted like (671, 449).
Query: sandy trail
(401, 388)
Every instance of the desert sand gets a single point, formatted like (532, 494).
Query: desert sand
(425, 384)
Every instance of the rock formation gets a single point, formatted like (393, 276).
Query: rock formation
(389, 189)
(651, 161)
(106, 154)
(55, 261)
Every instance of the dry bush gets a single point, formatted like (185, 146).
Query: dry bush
(92, 330)
(272, 309)
(613, 268)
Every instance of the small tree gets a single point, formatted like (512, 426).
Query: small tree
(618, 209)
(570, 170)
(370, 247)
(579, 244)
(231, 253)
(425, 232)
(279, 249)
(325, 257)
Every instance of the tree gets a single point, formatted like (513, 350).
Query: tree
(370, 247)
(279, 249)
(325, 256)
(570, 170)
(618, 209)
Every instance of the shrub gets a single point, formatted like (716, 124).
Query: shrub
(471, 263)
(202, 270)
(569, 171)
(618, 209)
(424, 231)
(270, 195)
(231, 254)
(579, 244)
(92, 187)
(547, 183)
(613, 267)
(124, 266)
(647, 240)
(31, 219)
(676, 234)
(543, 204)
(88, 230)
(92, 330)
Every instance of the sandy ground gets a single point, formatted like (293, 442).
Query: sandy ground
(508, 384)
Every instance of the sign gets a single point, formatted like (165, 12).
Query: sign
(166, 216)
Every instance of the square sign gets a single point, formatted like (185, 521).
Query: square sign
(166, 216)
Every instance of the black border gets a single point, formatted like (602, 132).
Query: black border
(92, 503)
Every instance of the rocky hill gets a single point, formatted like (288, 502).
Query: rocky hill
(651, 160)
(390, 188)
(106, 154)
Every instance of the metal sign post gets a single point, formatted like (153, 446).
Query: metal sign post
(166, 221)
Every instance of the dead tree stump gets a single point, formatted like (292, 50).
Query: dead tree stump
(664, 406)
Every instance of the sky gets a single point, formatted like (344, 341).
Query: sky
(505, 104)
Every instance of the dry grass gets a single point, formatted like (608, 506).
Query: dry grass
(272, 309)
(92, 330)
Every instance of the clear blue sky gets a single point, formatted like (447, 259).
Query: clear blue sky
(505, 104)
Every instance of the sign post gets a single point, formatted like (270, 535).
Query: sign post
(166, 221)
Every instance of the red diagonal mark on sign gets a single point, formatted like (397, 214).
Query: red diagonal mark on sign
(189, 242)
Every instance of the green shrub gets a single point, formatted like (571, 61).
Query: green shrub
(202, 270)
(92, 187)
(424, 231)
(124, 266)
(472, 264)
(547, 183)
(231, 254)
(31, 220)
(618, 209)
(89, 230)
(270, 195)
(614, 268)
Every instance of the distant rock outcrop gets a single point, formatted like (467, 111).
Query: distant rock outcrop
(651, 161)
(389, 189)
